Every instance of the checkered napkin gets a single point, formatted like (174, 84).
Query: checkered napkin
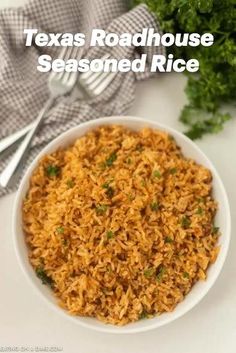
(23, 90)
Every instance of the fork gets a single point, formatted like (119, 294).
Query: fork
(92, 83)
(60, 84)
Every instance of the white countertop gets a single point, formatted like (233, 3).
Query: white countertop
(26, 320)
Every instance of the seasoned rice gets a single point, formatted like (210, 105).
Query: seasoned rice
(120, 225)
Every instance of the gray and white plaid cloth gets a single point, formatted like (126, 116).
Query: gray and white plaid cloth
(23, 89)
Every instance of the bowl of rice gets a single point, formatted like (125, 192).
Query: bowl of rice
(121, 224)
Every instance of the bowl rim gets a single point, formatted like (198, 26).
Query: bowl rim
(116, 120)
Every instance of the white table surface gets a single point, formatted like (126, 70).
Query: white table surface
(26, 320)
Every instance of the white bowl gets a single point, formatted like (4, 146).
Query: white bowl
(198, 291)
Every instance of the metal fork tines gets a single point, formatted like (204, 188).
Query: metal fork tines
(59, 84)
(93, 83)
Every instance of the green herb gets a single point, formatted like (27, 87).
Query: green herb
(168, 240)
(199, 211)
(157, 174)
(110, 192)
(149, 272)
(110, 234)
(60, 230)
(129, 161)
(160, 274)
(155, 206)
(215, 82)
(215, 230)
(186, 275)
(41, 274)
(65, 242)
(173, 171)
(143, 315)
(111, 159)
(52, 170)
(101, 209)
(70, 183)
(185, 222)
(131, 197)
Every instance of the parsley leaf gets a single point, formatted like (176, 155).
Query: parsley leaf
(173, 171)
(110, 234)
(215, 82)
(41, 274)
(186, 275)
(185, 222)
(155, 206)
(52, 171)
(70, 183)
(111, 159)
(160, 274)
(143, 315)
(168, 240)
(149, 272)
(157, 174)
(101, 209)
(60, 230)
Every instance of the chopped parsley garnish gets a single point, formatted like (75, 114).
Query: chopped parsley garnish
(110, 234)
(185, 222)
(160, 274)
(143, 315)
(215, 82)
(173, 171)
(186, 275)
(129, 161)
(101, 209)
(52, 170)
(149, 272)
(155, 206)
(215, 230)
(168, 240)
(130, 197)
(157, 174)
(60, 230)
(110, 192)
(111, 159)
(105, 185)
(70, 183)
(41, 274)
(199, 211)
(65, 242)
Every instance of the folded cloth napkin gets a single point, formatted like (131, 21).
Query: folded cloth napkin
(23, 89)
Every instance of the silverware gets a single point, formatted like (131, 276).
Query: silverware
(8, 141)
(92, 83)
(59, 84)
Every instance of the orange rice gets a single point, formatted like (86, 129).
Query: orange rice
(120, 225)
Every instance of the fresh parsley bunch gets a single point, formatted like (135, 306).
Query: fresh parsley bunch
(215, 83)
